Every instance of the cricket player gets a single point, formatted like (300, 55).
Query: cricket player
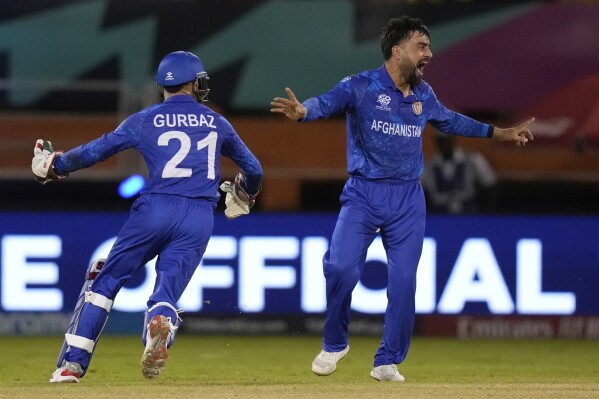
(386, 111)
(181, 141)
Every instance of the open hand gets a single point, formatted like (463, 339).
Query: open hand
(290, 107)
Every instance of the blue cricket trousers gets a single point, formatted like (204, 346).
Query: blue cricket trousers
(399, 210)
(177, 230)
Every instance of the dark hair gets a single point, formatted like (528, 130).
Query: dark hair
(169, 89)
(399, 29)
(174, 89)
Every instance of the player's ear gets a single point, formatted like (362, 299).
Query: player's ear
(396, 52)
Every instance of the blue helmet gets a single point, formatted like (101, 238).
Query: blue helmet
(182, 67)
(178, 68)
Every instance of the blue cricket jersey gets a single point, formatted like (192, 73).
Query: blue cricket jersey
(181, 142)
(384, 129)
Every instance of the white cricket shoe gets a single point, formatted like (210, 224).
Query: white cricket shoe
(326, 362)
(70, 372)
(155, 354)
(387, 372)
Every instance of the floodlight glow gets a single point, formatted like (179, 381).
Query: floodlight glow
(131, 186)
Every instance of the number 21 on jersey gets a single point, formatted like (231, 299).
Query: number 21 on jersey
(172, 169)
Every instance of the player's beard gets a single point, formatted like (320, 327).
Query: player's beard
(413, 78)
(409, 72)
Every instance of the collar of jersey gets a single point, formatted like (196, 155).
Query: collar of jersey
(180, 98)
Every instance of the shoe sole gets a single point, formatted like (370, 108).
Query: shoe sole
(61, 380)
(155, 354)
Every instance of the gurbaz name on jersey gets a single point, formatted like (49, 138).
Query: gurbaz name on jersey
(178, 120)
(396, 129)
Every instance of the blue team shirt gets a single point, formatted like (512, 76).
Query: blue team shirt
(384, 129)
(181, 142)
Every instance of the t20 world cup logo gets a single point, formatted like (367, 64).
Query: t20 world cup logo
(384, 101)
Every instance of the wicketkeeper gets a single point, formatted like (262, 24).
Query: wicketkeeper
(181, 141)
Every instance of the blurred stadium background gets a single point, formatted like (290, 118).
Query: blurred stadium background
(524, 268)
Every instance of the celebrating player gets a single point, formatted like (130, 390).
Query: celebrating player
(386, 111)
(181, 141)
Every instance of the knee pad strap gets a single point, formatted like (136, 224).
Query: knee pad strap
(80, 342)
(98, 300)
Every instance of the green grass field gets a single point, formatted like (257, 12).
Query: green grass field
(279, 367)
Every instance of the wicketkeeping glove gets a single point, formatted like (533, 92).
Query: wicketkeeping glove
(238, 202)
(42, 164)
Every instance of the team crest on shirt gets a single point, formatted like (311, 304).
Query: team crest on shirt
(417, 107)
(384, 101)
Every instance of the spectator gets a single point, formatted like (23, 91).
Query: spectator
(456, 181)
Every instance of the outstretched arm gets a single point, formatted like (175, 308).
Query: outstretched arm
(290, 107)
(519, 134)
